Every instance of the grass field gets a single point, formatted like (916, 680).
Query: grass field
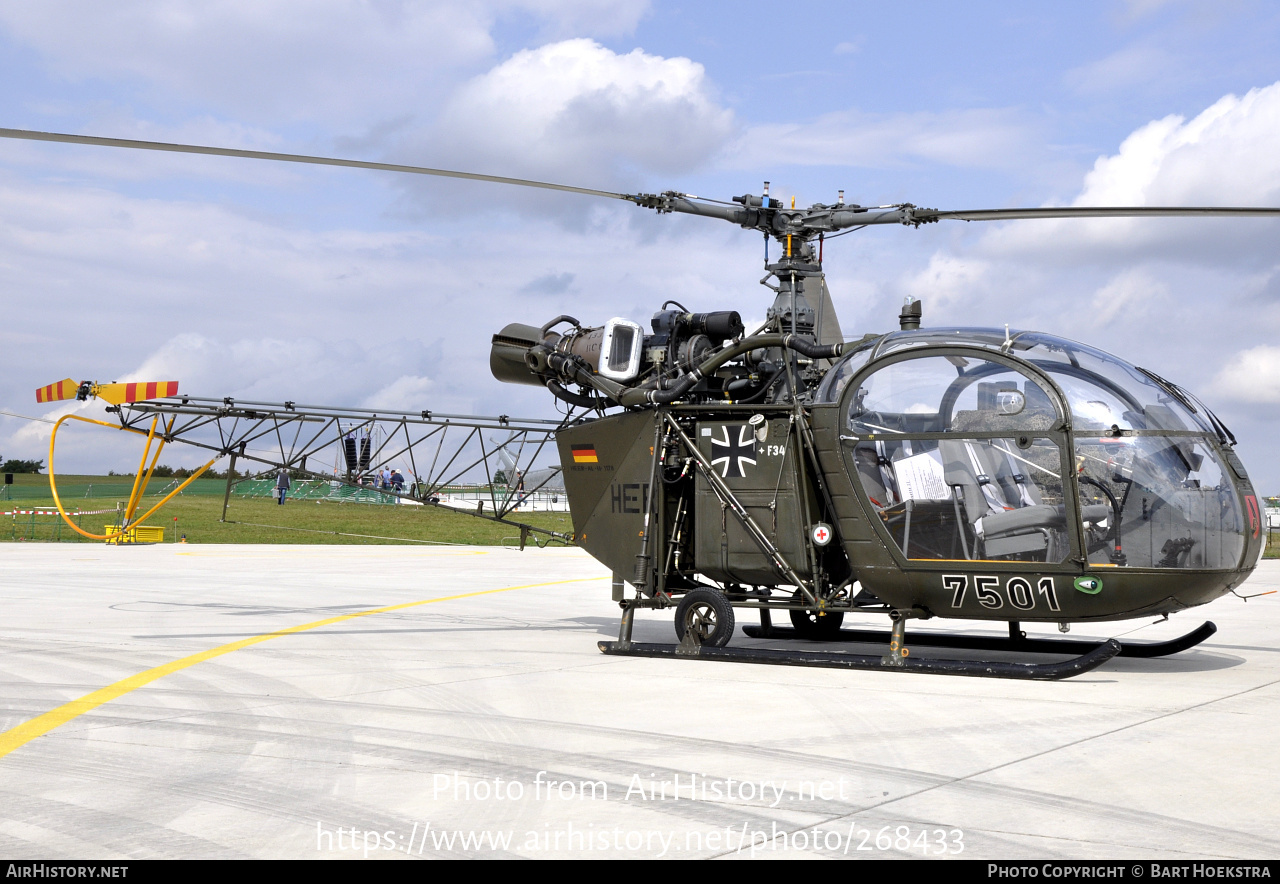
(255, 520)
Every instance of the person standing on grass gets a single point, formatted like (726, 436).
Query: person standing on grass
(282, 486)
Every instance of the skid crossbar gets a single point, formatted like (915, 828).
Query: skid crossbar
(826, 660)
(1018, 642)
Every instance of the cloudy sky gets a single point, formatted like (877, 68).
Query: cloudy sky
(267, 281)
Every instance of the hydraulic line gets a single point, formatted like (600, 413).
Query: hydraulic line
(570, 368)
(800, 344)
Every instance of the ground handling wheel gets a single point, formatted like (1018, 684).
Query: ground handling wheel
(707, 614)
(815, 627)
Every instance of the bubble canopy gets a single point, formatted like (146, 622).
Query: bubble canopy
(966, 454)
(1102, 391)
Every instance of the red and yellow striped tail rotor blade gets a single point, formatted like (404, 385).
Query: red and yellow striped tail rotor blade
(118, 394)
(58, 390)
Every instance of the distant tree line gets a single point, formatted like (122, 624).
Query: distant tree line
(166, 472)
(14, 465)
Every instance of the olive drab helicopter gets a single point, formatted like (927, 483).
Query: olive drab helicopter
(975, 473)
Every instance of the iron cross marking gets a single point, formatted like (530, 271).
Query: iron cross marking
(732, 457)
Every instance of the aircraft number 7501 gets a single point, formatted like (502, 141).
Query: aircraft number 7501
(986, 588)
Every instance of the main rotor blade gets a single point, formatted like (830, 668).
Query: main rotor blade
(29, 135)
(905, 214)
(1089, 212)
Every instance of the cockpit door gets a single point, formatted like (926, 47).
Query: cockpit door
(960, 455)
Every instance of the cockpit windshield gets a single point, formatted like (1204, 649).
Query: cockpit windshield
(1105, 392)
(1102, 391)
(963, 453)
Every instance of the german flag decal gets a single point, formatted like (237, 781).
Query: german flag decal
(585, 454)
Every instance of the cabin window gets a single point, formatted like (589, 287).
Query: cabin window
(961, 458)
(978, 498)
(1103, 391)
(943, 394)
(1154, 492)
(1155, 501)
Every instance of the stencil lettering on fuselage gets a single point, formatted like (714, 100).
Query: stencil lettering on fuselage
(628, 497)
(1017, 591)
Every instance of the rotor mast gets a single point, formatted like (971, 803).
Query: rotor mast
(802, 304)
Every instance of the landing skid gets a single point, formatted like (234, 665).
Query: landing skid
(1017, 641)
(1096, 656)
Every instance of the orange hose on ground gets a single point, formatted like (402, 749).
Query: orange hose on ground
(53, 486)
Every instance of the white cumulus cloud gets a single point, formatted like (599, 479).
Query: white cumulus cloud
(1224, 156)
(1251, 376)
(1130, 293)
(978, 138)
(287, 60)
(946, 282)
(402, 394)
(578, 112)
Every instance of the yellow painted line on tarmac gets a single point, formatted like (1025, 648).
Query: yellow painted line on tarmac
(17, 737)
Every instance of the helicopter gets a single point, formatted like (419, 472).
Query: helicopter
(975, 473)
